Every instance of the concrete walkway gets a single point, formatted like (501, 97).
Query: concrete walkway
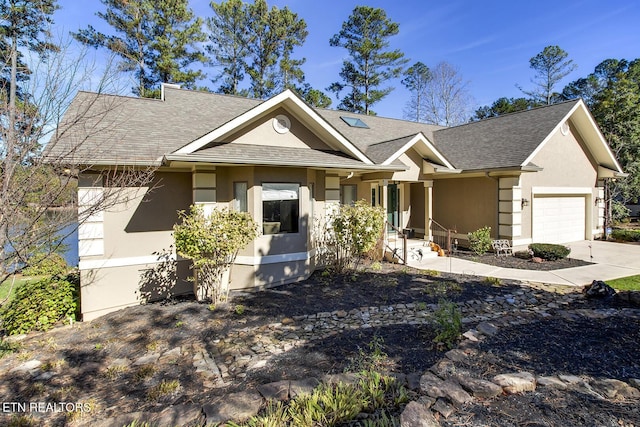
(611, 261)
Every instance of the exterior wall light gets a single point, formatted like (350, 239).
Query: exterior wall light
(524, 202)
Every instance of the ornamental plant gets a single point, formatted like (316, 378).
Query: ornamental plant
(356, 230)
(212, 243)
(39, 305)
(480, 240)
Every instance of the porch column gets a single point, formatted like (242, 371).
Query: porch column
(204, 189)
(428, 209)
(510, 209)
(384, 185)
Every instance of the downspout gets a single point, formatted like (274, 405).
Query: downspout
(497, 204)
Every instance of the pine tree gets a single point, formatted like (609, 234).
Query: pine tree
(366, 35)
(551, 65)
(155, 40)
(229, 37)
(416, 79)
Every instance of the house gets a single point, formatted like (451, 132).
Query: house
(531, 176)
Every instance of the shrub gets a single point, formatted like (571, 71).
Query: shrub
(522, 254)
(42, 264)
(480, 240)
(549, 251)
(626, 235)
(355, 232)
(213, 242)
(41, 304)
(448, 323)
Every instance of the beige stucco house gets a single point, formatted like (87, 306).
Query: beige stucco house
(534, 176)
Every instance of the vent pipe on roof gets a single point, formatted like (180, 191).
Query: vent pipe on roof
(163, 85)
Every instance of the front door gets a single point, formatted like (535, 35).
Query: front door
(393, 204)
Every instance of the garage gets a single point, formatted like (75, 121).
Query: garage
(558, 219)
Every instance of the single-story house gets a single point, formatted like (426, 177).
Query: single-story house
(532, 176)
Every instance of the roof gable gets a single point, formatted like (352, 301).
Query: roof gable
(290, 102)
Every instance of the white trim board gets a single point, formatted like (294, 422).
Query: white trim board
(154, 259)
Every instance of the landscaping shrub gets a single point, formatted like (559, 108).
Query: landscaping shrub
(41, 304)
(448, 323)
(480, 240)
(549, 251)
(354, 232)
(522, 254)
(626, 235)
(43, 264)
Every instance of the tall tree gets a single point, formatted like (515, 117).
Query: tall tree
(612, 93)
(550, 66)
(416, 79)
(274, 33)
(156, 40)
(365, 35)
(174, 38)
(503, 106)
(229, 44)
(447, 97)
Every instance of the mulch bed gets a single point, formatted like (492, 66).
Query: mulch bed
(601, 348)
(519, 263)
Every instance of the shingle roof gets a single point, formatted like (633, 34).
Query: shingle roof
(505, 141)
(120, 129)
(270, 155)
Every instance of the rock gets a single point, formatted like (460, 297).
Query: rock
(443, 408)
(27, 366)
(487, 328)
(431, 385)
(300, 387)
(456, 355)
(480, 388)
(612, 389)
(147, 359)
(516, 382)
(635, 382)
(333, 379)
(413, 381)
(278, 390)
(471, 335)
(598, 289)
(537, 260)
(571, 379)
(445, 368)
(235, 406)
(180, 415)
(554, 382)
(417, 415)
(455, 392)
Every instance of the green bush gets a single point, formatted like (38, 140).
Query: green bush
(448, 323)
(41, 304)
(480, 240)
(626, 235)
(549, 251)
(52, 264)
(355, 231)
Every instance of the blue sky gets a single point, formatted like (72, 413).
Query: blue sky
(490, 41)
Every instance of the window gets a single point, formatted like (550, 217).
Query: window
(280, 208)
(348, 194)
(240, 197)
(354, 122)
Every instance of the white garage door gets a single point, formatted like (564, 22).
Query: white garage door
(558, 219)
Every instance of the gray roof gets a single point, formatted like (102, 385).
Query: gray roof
(121, 130)
(500, 142)
(268, 155)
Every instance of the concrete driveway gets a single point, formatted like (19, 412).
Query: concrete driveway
(611, 261)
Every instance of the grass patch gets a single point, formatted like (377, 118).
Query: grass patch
(7, 291)
(163, 389)
(631, 283)
(8, 347)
